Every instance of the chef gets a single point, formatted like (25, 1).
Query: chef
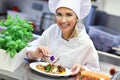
(67, 38)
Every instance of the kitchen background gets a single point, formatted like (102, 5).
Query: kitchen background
(37, 11)
(102, 24)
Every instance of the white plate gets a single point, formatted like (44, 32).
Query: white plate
(34, 64)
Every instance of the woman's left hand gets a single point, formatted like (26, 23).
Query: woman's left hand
(76, 69)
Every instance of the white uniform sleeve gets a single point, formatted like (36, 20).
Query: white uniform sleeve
(89, 58)
(92, 60)
(41, 41)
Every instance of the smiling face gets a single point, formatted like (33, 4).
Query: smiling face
(66, 20)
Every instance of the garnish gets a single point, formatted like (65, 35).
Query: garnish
(51, 67)
(47, 68)
(52, 58)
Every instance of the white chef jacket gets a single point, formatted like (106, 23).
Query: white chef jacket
(79, 49)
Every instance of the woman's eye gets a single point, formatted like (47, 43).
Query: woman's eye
(68, 15)
(58, 14)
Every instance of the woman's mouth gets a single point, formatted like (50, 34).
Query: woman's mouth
(64, 25)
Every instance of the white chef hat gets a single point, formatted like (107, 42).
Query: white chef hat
(80, 7)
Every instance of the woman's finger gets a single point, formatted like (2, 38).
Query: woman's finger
(75, 69)
(44, 51)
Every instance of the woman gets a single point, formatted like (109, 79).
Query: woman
(67, 39)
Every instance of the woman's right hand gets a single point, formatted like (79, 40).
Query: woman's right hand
(41, 51)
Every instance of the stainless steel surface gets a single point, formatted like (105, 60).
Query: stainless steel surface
(105, 67)
(25, 73)
(108, 61)
(109, 58)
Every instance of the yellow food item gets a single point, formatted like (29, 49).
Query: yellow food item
(62, 72)
(54, 69)
(40, 67)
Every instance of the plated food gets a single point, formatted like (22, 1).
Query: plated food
(51, 68)
(40, 67)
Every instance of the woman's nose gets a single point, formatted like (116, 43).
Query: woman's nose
(63, 19)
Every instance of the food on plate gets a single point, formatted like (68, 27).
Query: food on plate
(88, 75)
(51, 68)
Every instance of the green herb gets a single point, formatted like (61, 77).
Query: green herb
(16, 36)
(47, 68)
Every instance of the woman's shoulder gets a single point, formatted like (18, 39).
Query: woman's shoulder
(84, 37)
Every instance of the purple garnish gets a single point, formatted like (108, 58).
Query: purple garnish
(52, 58)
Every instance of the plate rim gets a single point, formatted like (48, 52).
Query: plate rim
(33, 66)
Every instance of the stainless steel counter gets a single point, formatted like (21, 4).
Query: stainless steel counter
(25, 73)
(108, 61)
(109, 58)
